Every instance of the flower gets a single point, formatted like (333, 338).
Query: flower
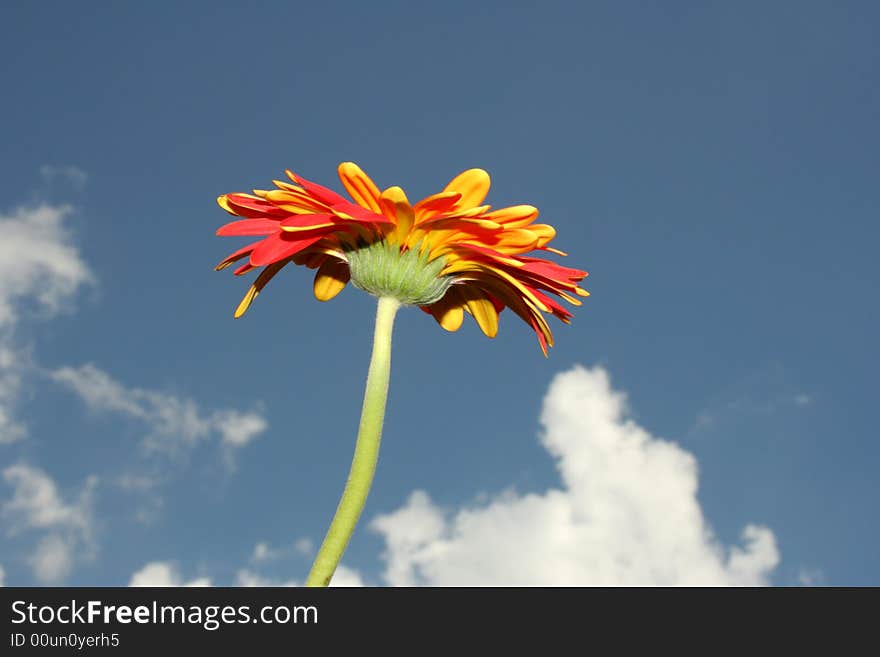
(448, 253)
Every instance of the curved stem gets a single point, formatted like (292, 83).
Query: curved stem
(366, 451)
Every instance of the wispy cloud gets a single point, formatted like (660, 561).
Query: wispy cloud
(12, 363)
(65, 529)
(164, 573)
(810, 577)
(304, 546)
(344, 577)
(37, 261)
(73, 175)
(174, 424)
(40, 273)
(247, 577)
(263, 552)
(765, 392)
(626, 513)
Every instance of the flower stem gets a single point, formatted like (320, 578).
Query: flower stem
(366, 451)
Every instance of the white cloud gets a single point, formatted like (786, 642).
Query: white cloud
(246, 577)
(238, 429)
(52, 560)
(38, 261)
(765, 394)
(37, 504)
(304, 546)
(174, 423)
(2, 576)
(40, 270)
(72, 174)
(810, 577)
(163, 573)
(137, 483)
(11, 366)
(67, 528)
(626, 514)
(262, 552)
(344, 577)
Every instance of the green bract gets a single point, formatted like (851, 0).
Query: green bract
(383, 270)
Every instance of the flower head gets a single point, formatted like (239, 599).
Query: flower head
(448, 253)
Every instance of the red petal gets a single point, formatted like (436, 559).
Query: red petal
(306, 220)
(252, 207)
(551, 270)
(238, 255)
(438, 203)
(337, 202)
(556, 309)
(327, 196)
(360, 214)
(249, 227)
(280, 246)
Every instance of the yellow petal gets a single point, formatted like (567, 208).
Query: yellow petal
(484, 312)
(294, 202)
(280, 184)
(436, 204)
(223, 202)
(471, 211)
(245, 303)
(330, 279)
(462, 223)
(448, 311)
(473, 185)
(451, 318)
(515, 216)
(527, 296)
(395, 205)
(545, 233)
(260, 282)
(359, 185)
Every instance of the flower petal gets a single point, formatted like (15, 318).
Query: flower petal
(264, 277)
(300, 222)
(359, 185)
(245, 205)
(236, 256)
(448, 311)
(295, 202)
(482, 310)
(436, 204)
(515, 216)
(473, 185)
(249, 227)
(330, 279)
(280, 246)
(395, 204)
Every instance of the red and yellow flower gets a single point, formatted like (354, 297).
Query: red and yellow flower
(448, 254)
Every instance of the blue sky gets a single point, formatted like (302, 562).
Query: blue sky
(712, 165)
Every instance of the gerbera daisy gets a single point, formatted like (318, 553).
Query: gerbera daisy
(448, 254)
